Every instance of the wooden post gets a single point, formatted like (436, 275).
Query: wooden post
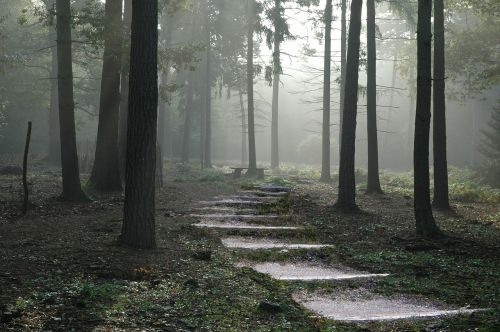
(25, 166)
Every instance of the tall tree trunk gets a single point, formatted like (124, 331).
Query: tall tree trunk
(425, 224)
(54, 153)
(186, 142)
(207, 154)
(391, 103)
(347, 183)
(72, 190)
(162, 110)
(325, 144)
(164, 127)
(244, 153)
(275, 160)
(373, 185)
(106, 171)
(252, 155)
(124, 86)
(343, 60)
(441, 199)
(138, 228)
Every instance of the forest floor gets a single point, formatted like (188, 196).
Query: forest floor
(61, 268)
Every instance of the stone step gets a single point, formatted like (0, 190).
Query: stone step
(242, 226)
(220, 216)
(261, 193)
(248, 198)
(272, 188)
(370, 307)
(232, 202)
(308, 272)
(264, 243)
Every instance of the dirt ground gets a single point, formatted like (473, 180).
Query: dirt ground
(61, 268)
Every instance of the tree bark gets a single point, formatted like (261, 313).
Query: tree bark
(106, 171)
(54, 153)
(124, 86)
(207, 154)
(186, 142)
(347, 184)
(252, 156)
(275, 159)
(244, 153)
(25, 168)
(138, 228)
(425, 224)
(343, 60)
(373, 185)
(441, 197)
(72, 190)
(325, 142)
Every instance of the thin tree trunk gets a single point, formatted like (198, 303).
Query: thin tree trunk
(138, 228)
(186, 142)
(207, 160)
(325, 143)
(275, 160)
(391, 103)
(425, 224)
(72, 190)
(347, 184)
(343, 56)
(106, 171)
(25, 168)
(124, 86)
(244, 153)
(54, 154)
(252, 156)
(373, 185)
(441, 199)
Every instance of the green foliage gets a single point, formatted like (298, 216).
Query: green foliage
(464, 185)
(491, 137)
(104, 292)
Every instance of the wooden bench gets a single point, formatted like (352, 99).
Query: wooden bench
(238, 170)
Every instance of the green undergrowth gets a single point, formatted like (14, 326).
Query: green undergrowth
(464, 186)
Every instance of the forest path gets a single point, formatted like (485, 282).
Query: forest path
(258, 221)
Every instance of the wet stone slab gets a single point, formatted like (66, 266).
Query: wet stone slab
(232, 202)
(227, 210)
(271, 188)
(261, 193)
(221, 216)
(348, 308)
(308, 272)
(242, 226)
(263, 243)
(249, 198)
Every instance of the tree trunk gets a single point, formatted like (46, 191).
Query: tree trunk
(244, 153)
(347, 184)
(325, 143)
(425, 224)
(186, 142)
(54, 154)
(441, 199)
(72, 190)
(373, 185)
(106, 171)
(207, 154)
(252, 156)
(162, 110)
(343, 56)
(275, 160)
(124, 86)
(138, 228)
